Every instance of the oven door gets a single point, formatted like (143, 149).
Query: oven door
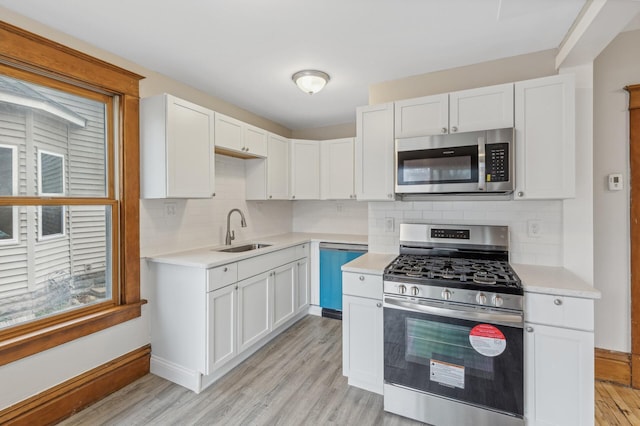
(438, 164)
(465, 354)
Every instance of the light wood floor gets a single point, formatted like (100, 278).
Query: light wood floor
(294, 380)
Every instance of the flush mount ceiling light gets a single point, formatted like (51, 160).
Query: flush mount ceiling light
(310, 81)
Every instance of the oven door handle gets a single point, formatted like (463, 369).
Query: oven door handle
(508, 319)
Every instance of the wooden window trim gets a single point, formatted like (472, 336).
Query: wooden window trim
(28, 52)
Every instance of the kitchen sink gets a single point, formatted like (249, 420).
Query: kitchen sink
(246, 247)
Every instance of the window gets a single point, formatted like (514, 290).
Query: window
(69, 197)
(8, 179)
(51, 183)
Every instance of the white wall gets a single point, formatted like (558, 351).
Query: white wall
(333, 217)
(616, 67)
(545, 249)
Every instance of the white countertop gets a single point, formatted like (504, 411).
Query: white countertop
(209, 257)
(369, 263)
(554, 280)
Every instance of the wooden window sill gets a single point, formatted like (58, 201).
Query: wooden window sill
(24, 345)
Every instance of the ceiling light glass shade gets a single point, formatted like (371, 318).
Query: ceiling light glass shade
(310, 81)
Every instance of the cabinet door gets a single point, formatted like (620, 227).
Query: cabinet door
(278, 168)
(190, 150)
(558, 376)
(229, 133)
(302, 284)
(253, 309)
(374, 153)
(428, 115)
(255, 141)
(484, 108)
(221, 326)
(362, 343)
(284, 292)
(545, 138)
(336, 169)
(305, 170)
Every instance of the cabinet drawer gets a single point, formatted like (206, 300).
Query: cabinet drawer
(302, 251)
(562, 311)
(363, 285)
(259, 264)
(222, 276)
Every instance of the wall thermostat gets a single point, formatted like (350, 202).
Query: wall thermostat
(615, 182)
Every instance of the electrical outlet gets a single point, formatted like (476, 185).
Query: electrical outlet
(388, 224)
(170, 209)
(534, 228)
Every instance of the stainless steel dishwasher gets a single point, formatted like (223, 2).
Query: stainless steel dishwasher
(332, 257)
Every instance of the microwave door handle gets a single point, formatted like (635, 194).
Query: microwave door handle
(481, 164)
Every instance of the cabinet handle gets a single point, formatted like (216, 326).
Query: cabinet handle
(361, 278)
(247, 149)
(454, 129)
(293, 197)
(213, 195)
(443, 130)
(379, 305)
(520, 194)
(270, 196)
(529, 329)
(236, 287)
(225, 269)
(390, 195)
(557, 302)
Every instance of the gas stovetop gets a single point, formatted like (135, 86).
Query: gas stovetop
(494, 275)
(456, 263)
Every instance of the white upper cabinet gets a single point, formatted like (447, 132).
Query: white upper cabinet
(236, 137)
(268, 179)
(428, 115)
(305, 170)
(484, 108)
(374, 153)
(545, 138)
(177, 148)
(336, 169)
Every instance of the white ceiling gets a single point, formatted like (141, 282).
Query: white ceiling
(245, 51)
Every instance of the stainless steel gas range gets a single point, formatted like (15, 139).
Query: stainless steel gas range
(453, 327)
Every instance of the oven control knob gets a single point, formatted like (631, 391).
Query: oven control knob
(497, 300)
(415, 291)
(402, 289)
(481, 298)
(446, 294)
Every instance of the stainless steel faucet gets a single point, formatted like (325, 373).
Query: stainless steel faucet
(231, 235)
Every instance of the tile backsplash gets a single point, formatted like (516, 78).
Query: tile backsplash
(177, 224)
(541, 248)
(333, 217)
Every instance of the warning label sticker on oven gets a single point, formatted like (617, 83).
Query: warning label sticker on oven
(487, 340)
(447, 374)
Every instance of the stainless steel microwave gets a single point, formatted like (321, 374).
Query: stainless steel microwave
(473, 162)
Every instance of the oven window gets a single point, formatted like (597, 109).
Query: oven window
(429, 341)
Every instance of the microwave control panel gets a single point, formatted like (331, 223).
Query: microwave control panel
(497, 162)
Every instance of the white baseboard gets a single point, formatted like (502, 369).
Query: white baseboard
(175, 373)
(315, 310)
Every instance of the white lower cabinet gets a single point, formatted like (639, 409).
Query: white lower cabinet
(284, 294)
(253, 309)
(559, 360)
(207, 321)
(303, 282)
(222, 306)
(362, 328)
